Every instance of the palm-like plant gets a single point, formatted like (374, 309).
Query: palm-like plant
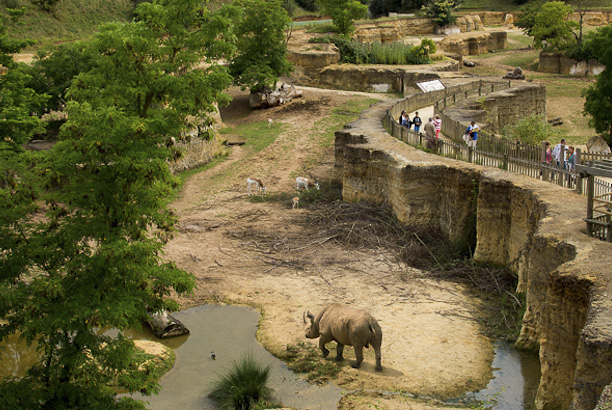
(244, 386)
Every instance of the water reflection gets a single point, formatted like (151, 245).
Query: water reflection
(516, 376)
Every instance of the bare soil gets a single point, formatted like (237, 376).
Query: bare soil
(268, 255)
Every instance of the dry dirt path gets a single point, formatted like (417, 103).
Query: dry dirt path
(265, 255)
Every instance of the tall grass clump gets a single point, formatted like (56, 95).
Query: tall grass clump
(244, 387)
(353, 52)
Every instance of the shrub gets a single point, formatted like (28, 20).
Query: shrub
(442, 11)
(244, 386)
(532, 130)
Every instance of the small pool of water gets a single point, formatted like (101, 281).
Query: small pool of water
(516, 376)
(229, 331)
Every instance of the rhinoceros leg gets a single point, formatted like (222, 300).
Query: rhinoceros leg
(378, 359)
(322, 342)
(339, 352)
(358, 355)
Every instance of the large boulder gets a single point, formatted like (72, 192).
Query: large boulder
(474, 43)
(598, 145)
(281, 95)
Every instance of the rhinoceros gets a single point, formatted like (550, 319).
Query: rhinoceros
(347, 326)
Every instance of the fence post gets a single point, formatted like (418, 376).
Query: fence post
(590, 194)
(505, 162)
(578, 176)
(470, 152)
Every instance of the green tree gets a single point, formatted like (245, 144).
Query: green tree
(91, 258)
(598, 103)
(343, 14)
(553, 25)
(261, 56)
(442, 11)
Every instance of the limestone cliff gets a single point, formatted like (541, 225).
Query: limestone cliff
(533, 225)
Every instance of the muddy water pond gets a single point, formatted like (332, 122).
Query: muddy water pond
(516, 376)
(229, 332)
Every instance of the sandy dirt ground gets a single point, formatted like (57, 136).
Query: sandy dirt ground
(265, 255)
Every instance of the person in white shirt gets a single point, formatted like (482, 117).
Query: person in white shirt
(558, 151)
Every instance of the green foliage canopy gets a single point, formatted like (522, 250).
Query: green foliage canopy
(344, 13)
(86, 253)
(261, 56)
(598, 104)
(442, 11)
(553, 25)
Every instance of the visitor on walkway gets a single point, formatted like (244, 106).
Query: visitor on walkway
(437, 122)
(571, 159)
(473, 133)
(417, 122)
(558, 153)
(430, 130)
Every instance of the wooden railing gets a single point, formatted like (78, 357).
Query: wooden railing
(494, 151)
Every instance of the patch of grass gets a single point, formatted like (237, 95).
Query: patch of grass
(306, 358)
(258, 135)
(315, 27)
(526, 60)
(516, 41)
(69, 20)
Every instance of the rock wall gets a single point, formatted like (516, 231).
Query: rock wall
(558, 63)
(474, 43)
(533, 225)
(495, 111)
(369, 78)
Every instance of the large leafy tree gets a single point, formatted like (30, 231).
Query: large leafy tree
(442, 11)
(344, 13)
(553, 25)
(598, 104)
(261, 56)
(92, 257)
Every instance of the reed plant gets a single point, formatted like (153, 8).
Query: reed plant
(244, 387)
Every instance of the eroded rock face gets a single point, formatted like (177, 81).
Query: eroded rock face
(536, 226)
(474, 43)
(558, 63)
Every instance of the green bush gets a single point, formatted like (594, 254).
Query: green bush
(244, 387)
(532, 130)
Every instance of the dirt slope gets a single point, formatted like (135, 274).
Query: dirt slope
(265, 255)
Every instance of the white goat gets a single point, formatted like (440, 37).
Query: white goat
(270, 122)
(296, 202)
(257, 183)
(305, 183)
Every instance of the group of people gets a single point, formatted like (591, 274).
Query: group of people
(561, 156)
(405, 121)
(434, 126)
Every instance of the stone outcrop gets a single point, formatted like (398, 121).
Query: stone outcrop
(558, 63)
(389, 31)
(532, 225)
(495, 111)
(474, 43)
(373, 78)
(469, 22)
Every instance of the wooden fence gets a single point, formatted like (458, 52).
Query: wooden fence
(492, 150)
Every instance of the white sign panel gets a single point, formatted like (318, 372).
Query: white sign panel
(432, 85)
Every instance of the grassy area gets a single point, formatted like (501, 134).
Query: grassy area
(490, 5)
(258, 134)
(70, 20)
(525, 59)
